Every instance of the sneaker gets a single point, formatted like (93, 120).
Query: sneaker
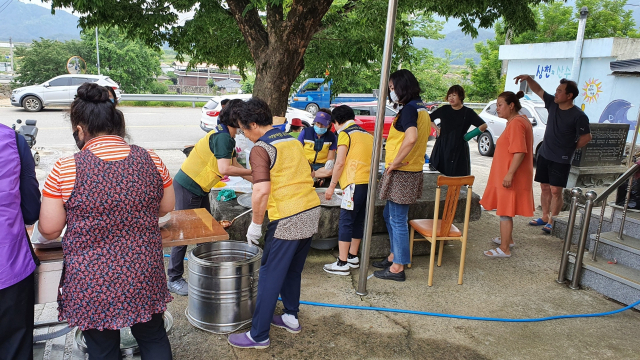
(245, 342)
(354, 262)
(386, 274)
(278, 322)
(336, 269)
(382, 264)
(179, 287)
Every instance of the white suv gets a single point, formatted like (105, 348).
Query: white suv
(61, 90)
(534, 110)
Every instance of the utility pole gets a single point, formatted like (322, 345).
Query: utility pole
(577, 57)
(97, 51)
(11, 54)
(507, 41)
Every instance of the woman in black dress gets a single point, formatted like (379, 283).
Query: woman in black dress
(450, 155)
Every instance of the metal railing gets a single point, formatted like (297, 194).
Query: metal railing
(592, 199)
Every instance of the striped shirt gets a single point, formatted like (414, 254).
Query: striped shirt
(62, 179)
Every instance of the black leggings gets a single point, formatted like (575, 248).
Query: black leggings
(151, 337)
(16, 320)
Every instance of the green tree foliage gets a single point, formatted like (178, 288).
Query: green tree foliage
(158, 88)
(247, 83)
(130, 63)
(485, 77)
(351, 53)
(431, 72)
(43, 60)
(172, 77)
(559, 22)
(555, 22)
(275, 35)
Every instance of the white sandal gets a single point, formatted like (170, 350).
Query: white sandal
(497, 240)
(496, 253)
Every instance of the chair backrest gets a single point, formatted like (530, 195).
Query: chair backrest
(454, 183)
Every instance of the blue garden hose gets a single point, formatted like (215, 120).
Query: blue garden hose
(480, 318)
(463, 317)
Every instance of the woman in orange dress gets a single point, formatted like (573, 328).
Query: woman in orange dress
(509, 190)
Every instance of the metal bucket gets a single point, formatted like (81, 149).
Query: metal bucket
(223, 285)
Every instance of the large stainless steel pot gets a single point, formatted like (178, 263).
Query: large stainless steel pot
(223, 285)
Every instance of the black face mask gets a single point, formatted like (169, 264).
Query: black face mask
(79, 143)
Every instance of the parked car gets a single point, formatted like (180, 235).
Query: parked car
(533, 110)
(211, 111)
(432, 105)
(366, 116)
(61, 90)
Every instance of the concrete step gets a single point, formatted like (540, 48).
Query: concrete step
(626, 251)
(631, 223)
(618, 282)
(561, 223)
(611, 222)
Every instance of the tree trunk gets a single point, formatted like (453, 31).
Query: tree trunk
(278, 50)
(275, 73)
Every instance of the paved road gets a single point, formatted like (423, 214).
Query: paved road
(149, 127)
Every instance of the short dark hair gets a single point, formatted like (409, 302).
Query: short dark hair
(224, 102)
(571, 88)
(405, 85)
(93, 110)
(457, 89)
(295, 128)
(255, 111)
(511, 98)
(229, 114)
(342, 114)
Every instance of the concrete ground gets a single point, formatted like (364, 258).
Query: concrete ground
(522, 286)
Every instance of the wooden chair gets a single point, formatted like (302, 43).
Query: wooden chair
(444, 229)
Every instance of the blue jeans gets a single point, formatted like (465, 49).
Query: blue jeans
(396, 216)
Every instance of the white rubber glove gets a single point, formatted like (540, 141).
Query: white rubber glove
(329, 164)
(254, 232)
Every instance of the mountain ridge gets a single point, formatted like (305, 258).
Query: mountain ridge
(459, 43)
(27, 22)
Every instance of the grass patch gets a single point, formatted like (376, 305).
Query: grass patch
(161, 103)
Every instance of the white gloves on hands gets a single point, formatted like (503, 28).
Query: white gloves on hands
(254, 233)
(329, 164)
